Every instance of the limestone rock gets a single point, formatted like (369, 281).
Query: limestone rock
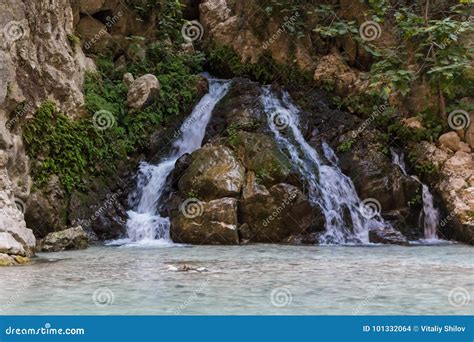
(272, 215)
(9, 245)
(142, 91)
(260, 154)
(208, 223)
(455, 188)
(215, 172)
(332, 70)
(413, 122)
(128, 79)
(90, 6)
(69, 239)
(6, 260)
(451, 140)
(95, 37)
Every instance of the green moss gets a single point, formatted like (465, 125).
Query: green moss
(346, 146)
(422, 167)
(232, 134)
(69, 149)
(416, 200)
(73, 40)
(74, 150)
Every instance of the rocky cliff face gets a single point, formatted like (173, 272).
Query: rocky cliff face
(37, 63)
(43, 56)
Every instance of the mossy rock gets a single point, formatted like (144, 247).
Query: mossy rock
(260, 154)
(215, 172)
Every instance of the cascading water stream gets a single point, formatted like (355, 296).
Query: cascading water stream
(328, 187)
(144, 221)
(430, 213)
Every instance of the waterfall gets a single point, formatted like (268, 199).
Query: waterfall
(328, 187)
(144, 221)
(430, 214)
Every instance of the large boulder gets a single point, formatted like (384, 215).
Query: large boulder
(239, 109)
(68, 239)
(9, 245)
(260, 154)
(215, 172)
(450, 140)
(206, 223)
(90, 6)
(274, 214)
(376, 177)
(12, 223)
(388, 236)
(143, 91)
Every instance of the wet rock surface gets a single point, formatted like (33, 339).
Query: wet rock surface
(68, 239)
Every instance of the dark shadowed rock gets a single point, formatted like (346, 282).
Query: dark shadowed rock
(387, 236)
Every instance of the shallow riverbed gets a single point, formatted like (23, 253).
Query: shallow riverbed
(254, 279)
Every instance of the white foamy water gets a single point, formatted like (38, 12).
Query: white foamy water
(145, 225)
(430, 215)
(328, 187)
